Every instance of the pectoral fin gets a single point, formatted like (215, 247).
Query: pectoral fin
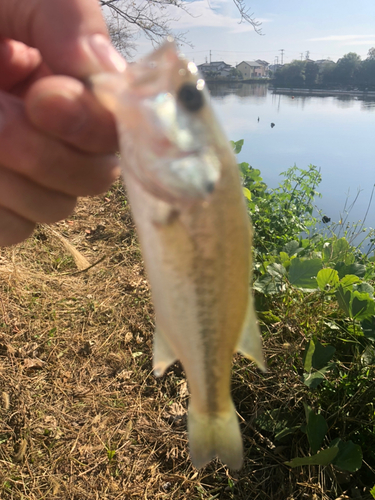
(163, 353)
(250, 341)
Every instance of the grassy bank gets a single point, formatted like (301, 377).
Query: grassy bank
(82, 416)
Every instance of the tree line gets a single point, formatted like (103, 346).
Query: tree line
(349, 72)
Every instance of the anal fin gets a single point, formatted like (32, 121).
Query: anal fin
(250, 341)
(163, 353)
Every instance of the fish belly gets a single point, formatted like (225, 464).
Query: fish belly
(198, 261)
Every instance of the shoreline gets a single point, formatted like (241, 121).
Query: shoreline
(327, 92)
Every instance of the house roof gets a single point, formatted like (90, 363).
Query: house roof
(324, 61)
(214, 64)
(263, 63)
(253, 64)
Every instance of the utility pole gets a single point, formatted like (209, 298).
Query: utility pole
(282, 56)
(301, 55)
(307, 54)
(210, 56)
(276, 59)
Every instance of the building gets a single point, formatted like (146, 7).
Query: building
(273, 68)
(265, 64)
(322, 62)
(215, 69)
(251, 69)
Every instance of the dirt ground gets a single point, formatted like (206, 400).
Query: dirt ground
(82, 416)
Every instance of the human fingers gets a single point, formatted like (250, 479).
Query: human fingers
(47, 161)
(32, 201)
(13, 228)
(71, 35)
(17, 62)
(64, 108)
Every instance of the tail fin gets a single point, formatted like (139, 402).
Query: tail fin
(215, 435)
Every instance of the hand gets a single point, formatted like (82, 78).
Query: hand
(56, 141)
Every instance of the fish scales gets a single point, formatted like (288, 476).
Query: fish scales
(183, 186)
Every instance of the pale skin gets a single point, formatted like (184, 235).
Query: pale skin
(56, 141)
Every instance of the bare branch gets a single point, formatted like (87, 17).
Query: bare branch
(247, 17)
(152, 18)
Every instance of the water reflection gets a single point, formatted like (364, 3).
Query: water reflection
(243, 90)
(335, 133)
(260, 91)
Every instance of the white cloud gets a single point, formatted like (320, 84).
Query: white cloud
(342, 38)
(364, 42)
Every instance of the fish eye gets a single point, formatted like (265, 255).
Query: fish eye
(190, 97)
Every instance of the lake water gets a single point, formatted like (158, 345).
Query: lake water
(336, 134)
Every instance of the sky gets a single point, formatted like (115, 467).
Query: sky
(325, 28)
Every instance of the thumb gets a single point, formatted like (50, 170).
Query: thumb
(71, 35)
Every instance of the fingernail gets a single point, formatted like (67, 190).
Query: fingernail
(107, 56)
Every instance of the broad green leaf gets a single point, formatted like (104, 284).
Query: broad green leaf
(277, 421)
(246, 193)
(276, 270)
(312, 380)
(322, 355)
(349, 456)
(285, 259)
(308, 355)
(285, 432)
(349, 280)
(324, 457)
(337, 250)
(368, 328)
(237, 146)
(349, 259)
(316, 428)
(364, 288)
(368, 357)
(362, 306)
(291, 247)
(244, 168)
(267, 285)
(353, 269)
(302, 273)
(327, 278)
(344, 296)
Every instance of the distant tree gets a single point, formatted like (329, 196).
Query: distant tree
(347, 68)
(291, 75)
(122, 37)
(311, 73)
(367, 71)
(235, 73)
(327, 75)
(212, 74)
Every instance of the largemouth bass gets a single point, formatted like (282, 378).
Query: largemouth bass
(187, 202)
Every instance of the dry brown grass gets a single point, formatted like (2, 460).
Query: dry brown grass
(82, 416)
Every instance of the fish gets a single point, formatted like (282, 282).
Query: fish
(187, 202)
